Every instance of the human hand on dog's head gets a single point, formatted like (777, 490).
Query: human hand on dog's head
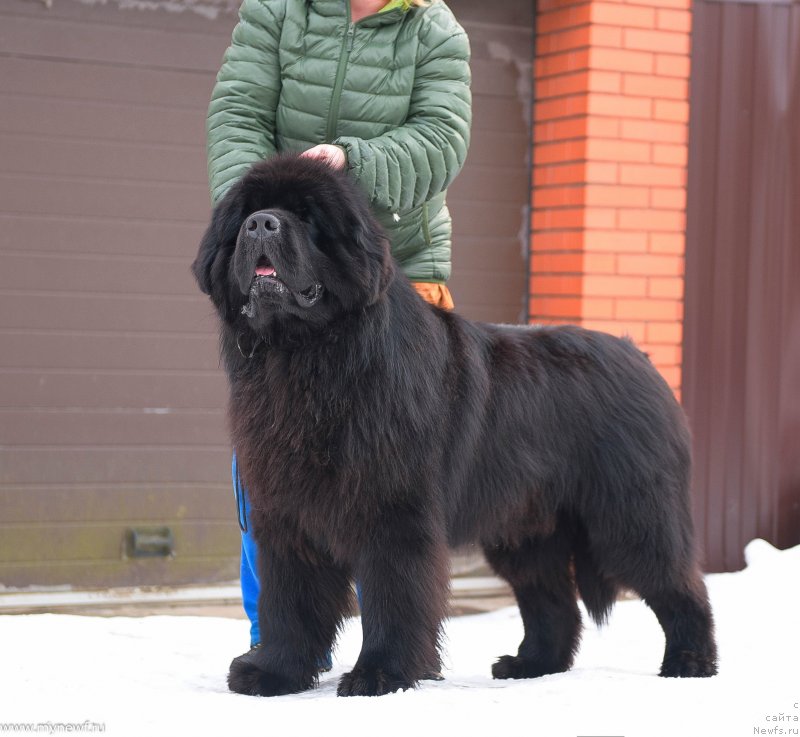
(333, 156)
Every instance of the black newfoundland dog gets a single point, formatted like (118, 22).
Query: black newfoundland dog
(373, 431)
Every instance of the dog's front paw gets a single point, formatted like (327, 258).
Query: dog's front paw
(246, 677)
(513, 666)
(371, 682)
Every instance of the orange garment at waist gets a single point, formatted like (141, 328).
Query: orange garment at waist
(437, 294)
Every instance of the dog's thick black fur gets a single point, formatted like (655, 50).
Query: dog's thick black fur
(373, 431)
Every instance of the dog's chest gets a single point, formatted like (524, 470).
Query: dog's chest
(304, 416)
(289, 420)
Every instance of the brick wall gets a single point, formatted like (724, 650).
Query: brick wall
(609, 176)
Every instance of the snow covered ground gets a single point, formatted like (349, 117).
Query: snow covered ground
(165, 675)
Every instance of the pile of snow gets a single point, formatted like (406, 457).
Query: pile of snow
(165, 675)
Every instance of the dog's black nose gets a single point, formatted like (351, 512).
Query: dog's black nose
(261, 224)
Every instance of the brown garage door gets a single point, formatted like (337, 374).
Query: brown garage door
(111, 398)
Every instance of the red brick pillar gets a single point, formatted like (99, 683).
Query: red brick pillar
(609, 178)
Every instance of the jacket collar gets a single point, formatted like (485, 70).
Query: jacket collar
(341, 8)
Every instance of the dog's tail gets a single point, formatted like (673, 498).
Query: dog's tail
(598, 591)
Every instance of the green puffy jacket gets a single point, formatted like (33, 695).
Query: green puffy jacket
(392, 89)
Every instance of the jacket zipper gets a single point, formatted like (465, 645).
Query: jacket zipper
(426, 224)
(344, 55)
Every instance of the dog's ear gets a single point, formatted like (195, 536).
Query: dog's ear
(226, 219)
(374, 246)
(201, 267)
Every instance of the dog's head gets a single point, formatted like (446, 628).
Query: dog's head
(293, 242)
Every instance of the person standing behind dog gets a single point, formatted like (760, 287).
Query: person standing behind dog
(379, 88)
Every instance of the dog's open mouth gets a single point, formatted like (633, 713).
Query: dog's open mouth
(265, 268)
(265, 279)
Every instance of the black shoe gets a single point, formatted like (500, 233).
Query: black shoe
(432, 675)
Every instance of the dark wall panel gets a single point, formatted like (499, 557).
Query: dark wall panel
(490, 199)
(742, 333)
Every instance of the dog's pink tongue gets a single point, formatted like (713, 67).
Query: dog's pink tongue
(265, 271)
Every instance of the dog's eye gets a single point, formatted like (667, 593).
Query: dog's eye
(313, 230)
(307, 210)
(310, 220)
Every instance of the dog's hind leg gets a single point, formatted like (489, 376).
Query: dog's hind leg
(538, 570)
(654, 556)
(685, 616)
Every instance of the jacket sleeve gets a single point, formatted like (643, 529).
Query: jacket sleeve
(408, 165)
(240, 127)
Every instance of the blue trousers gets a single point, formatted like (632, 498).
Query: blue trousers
(248, 570)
